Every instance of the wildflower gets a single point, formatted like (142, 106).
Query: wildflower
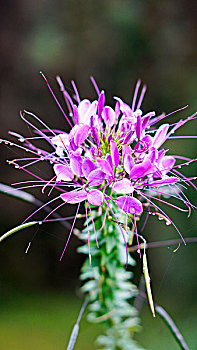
(110, 155)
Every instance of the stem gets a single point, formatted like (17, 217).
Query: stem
(173, 328)
(141, 298)
(107, 282)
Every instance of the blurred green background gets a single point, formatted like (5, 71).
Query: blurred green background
(116, 41)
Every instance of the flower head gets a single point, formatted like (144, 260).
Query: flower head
(111, 155)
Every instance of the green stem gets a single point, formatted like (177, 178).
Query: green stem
(107, 282)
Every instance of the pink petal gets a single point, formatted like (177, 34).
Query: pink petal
(81, 134)
(109, 159)
(123, 186)
(138, 127)
(140, 170)
(101, 102)
(114, 153)
(95, 197)
(125, 109)
(126, 150)
(91, 111)
(76, 165)
(148, 140)
(130, 205)
(76, 114)
(168, 162)
(169, 180)
(146, 119)
(105, 166)
(74, 196)
(96, 177)
(82, 110)
(86, 109)
(60, 140)
(87, 167)
(117, 109)
(108, 115)
(160, 135)
(128, 163)
(63, 172)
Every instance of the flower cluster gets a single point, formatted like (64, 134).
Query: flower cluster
(110, 155)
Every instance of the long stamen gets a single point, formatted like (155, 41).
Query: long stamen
(90, 259)
(147, 198)
(40, 121)
(67, 97)
(157, 119)
(93, 225)
(135, 229)
(57, 102)
(34, 127)
(170, 204)
(37, 210)
(71, 230)
(59, 206)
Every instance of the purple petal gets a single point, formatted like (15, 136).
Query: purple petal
(151, 155)
(89, 112)
(96, 177)
(160, 135)
(114, 153)
(87, 167)
(101, 102)
(140, 170)
(160, 156)
(105, 166)
(128, 137)
(63, 172)
(74, 196)
(76, 165)
(95, 136)
(82, 110)
(123, 186)
(60, 140)
(168, 162)
(81, 134)
(126, 150)
(109, 159)
(95, 197)
(167, 181)
(138, 127)
(125, 109)
(108, 115)
(148, 140)
(128, 163)
(129, 205)
(146, 119)
(76, 114)
(117, 109)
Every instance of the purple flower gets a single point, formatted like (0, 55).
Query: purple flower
(94, 197)
(111, 155)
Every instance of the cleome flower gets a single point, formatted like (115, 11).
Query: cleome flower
(111, 155)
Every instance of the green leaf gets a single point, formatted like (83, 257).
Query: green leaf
(89, 286)
(110, 243)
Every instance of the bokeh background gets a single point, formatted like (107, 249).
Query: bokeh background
(116, 41)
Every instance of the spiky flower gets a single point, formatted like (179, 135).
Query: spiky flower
(110, 155)
(113, 160)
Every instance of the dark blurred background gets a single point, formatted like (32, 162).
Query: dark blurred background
(116, 41)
